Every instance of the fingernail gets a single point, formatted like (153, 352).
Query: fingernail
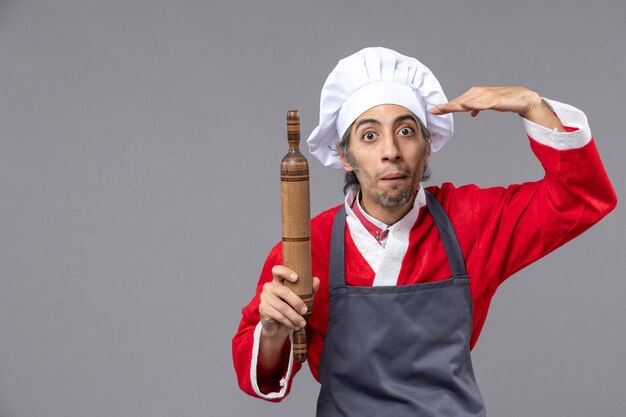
(303, 310)
(294, 277)
(302, 324)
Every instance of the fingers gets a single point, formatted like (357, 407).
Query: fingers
(518, 100)
(473, 100)
(274, 308)
(286, 295)
(316, 285)
(445, 109)
(281, 309)
(280, 305)
(453, 107)
(281, 273)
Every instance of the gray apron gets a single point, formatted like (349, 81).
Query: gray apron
(399, 351)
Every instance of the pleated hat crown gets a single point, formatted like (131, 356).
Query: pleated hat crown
(371, 77)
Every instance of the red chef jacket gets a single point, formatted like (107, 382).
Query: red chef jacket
(501, 230)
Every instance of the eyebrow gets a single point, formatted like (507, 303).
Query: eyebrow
(376, 122)
(366, 122)
(407, 117)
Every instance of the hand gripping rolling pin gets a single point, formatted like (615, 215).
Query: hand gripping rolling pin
(296, 224)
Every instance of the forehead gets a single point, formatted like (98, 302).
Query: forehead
(384, 113)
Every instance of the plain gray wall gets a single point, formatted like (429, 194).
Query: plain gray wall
(139, 151)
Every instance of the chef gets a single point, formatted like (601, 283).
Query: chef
(406, 272)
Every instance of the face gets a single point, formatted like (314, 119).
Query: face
(387, 151)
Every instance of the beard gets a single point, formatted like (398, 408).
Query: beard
(397, 196)
(398, 199)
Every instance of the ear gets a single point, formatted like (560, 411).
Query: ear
(344, 162)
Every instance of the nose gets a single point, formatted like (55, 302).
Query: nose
(391, 151)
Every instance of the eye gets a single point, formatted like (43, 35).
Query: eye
(406, 131)
(369, 136)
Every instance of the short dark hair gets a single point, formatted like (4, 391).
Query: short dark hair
(351, 180)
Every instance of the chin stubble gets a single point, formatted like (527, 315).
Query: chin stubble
(384, 199)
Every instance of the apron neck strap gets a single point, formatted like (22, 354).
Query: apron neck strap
(448, 236)
(336, 267)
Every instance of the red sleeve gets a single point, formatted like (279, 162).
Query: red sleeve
(243, 340)
(521, 223)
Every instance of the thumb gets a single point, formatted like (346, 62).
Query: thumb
(316, 284)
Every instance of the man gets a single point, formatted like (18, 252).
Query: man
(406, 274)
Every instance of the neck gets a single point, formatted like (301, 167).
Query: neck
(387, 215)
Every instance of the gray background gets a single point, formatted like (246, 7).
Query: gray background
(139, 151)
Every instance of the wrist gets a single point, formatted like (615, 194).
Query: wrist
(270, 359)
(541, 114)
(534, 106)
(272, 341)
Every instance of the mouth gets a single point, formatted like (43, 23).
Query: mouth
(394, 176)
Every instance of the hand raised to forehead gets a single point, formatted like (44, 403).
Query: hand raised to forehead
(521, 100)
(518, 100)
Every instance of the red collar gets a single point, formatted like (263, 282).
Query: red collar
(378, 233)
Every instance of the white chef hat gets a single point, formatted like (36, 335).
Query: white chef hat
(371, 77)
